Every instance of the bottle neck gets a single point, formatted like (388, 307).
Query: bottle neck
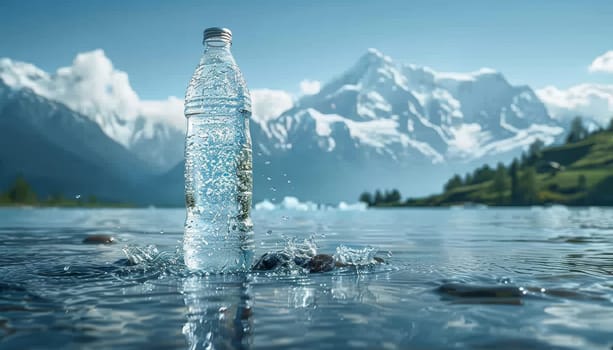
(217, 44)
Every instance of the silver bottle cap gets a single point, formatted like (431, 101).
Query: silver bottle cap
(217, 32)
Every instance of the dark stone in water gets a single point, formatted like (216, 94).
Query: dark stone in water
(472, 291)
(321, 263)
(99, 239)
(318, 263)
(271, 261)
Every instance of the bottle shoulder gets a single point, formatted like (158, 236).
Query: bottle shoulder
(217, 82)
(215, 76)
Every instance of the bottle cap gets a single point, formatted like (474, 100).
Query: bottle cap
(219, 33)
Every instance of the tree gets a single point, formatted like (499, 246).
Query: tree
(468, 179)
(500, 183)
(514, 175)
(528, 191)
(386, 196)
(577, 131)
(582, 183)
(378, 197)
(393, 196)
(366, 197)
(483, 174)
(535, 151)
(454, 182)
(610, 128)
(21, 192)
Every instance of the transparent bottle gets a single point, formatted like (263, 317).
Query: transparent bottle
(218, 162)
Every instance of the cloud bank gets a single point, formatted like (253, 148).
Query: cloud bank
(268, 104)
(594, 101)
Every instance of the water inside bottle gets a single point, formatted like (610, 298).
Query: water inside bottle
(218, 230)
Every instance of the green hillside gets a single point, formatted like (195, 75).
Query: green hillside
(579, 172)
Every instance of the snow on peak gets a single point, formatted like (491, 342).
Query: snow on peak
(402, 109)
(379, 134)
(376, 54)
(373, 58)
(20, 74)
(471, 76)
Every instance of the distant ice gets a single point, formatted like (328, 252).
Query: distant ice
(294, 204)
(359, 206)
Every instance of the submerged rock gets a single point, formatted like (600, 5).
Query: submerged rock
(473, 291)
(99, 239)
(321, 263)
(271, 261)
(317, 263)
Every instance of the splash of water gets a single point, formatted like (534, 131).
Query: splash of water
(356, 257)
(295, 253)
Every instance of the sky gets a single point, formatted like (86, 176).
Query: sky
(281, 44)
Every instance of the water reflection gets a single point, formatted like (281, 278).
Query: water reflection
(219, 312)
(56, 290)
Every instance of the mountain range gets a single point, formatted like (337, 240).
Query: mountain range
(84, 130)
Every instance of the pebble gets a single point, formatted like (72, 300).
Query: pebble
(99, 239)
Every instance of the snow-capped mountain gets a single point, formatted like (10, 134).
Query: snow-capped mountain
(379, 108)
(380, 123)
(92, 87)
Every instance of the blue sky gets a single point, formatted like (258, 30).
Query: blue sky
(280, 43)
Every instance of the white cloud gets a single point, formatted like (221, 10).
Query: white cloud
(170, 110)
(93, 87)
(268, 104)
(603, 63)
(593, 101)
(310, 87)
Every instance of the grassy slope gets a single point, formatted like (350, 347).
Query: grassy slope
(592, 157)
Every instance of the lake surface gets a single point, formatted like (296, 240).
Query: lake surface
(455, 278)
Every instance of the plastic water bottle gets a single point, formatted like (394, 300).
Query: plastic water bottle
(218, 167)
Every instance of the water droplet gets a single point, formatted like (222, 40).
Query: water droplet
(267, 162)
(285, 218)
(161, 232)
(269, 232)
(284, 175)
(78, 196)
(269, 178)
(67, 267)
(289, 181)
(505, 280)
(273, 189)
